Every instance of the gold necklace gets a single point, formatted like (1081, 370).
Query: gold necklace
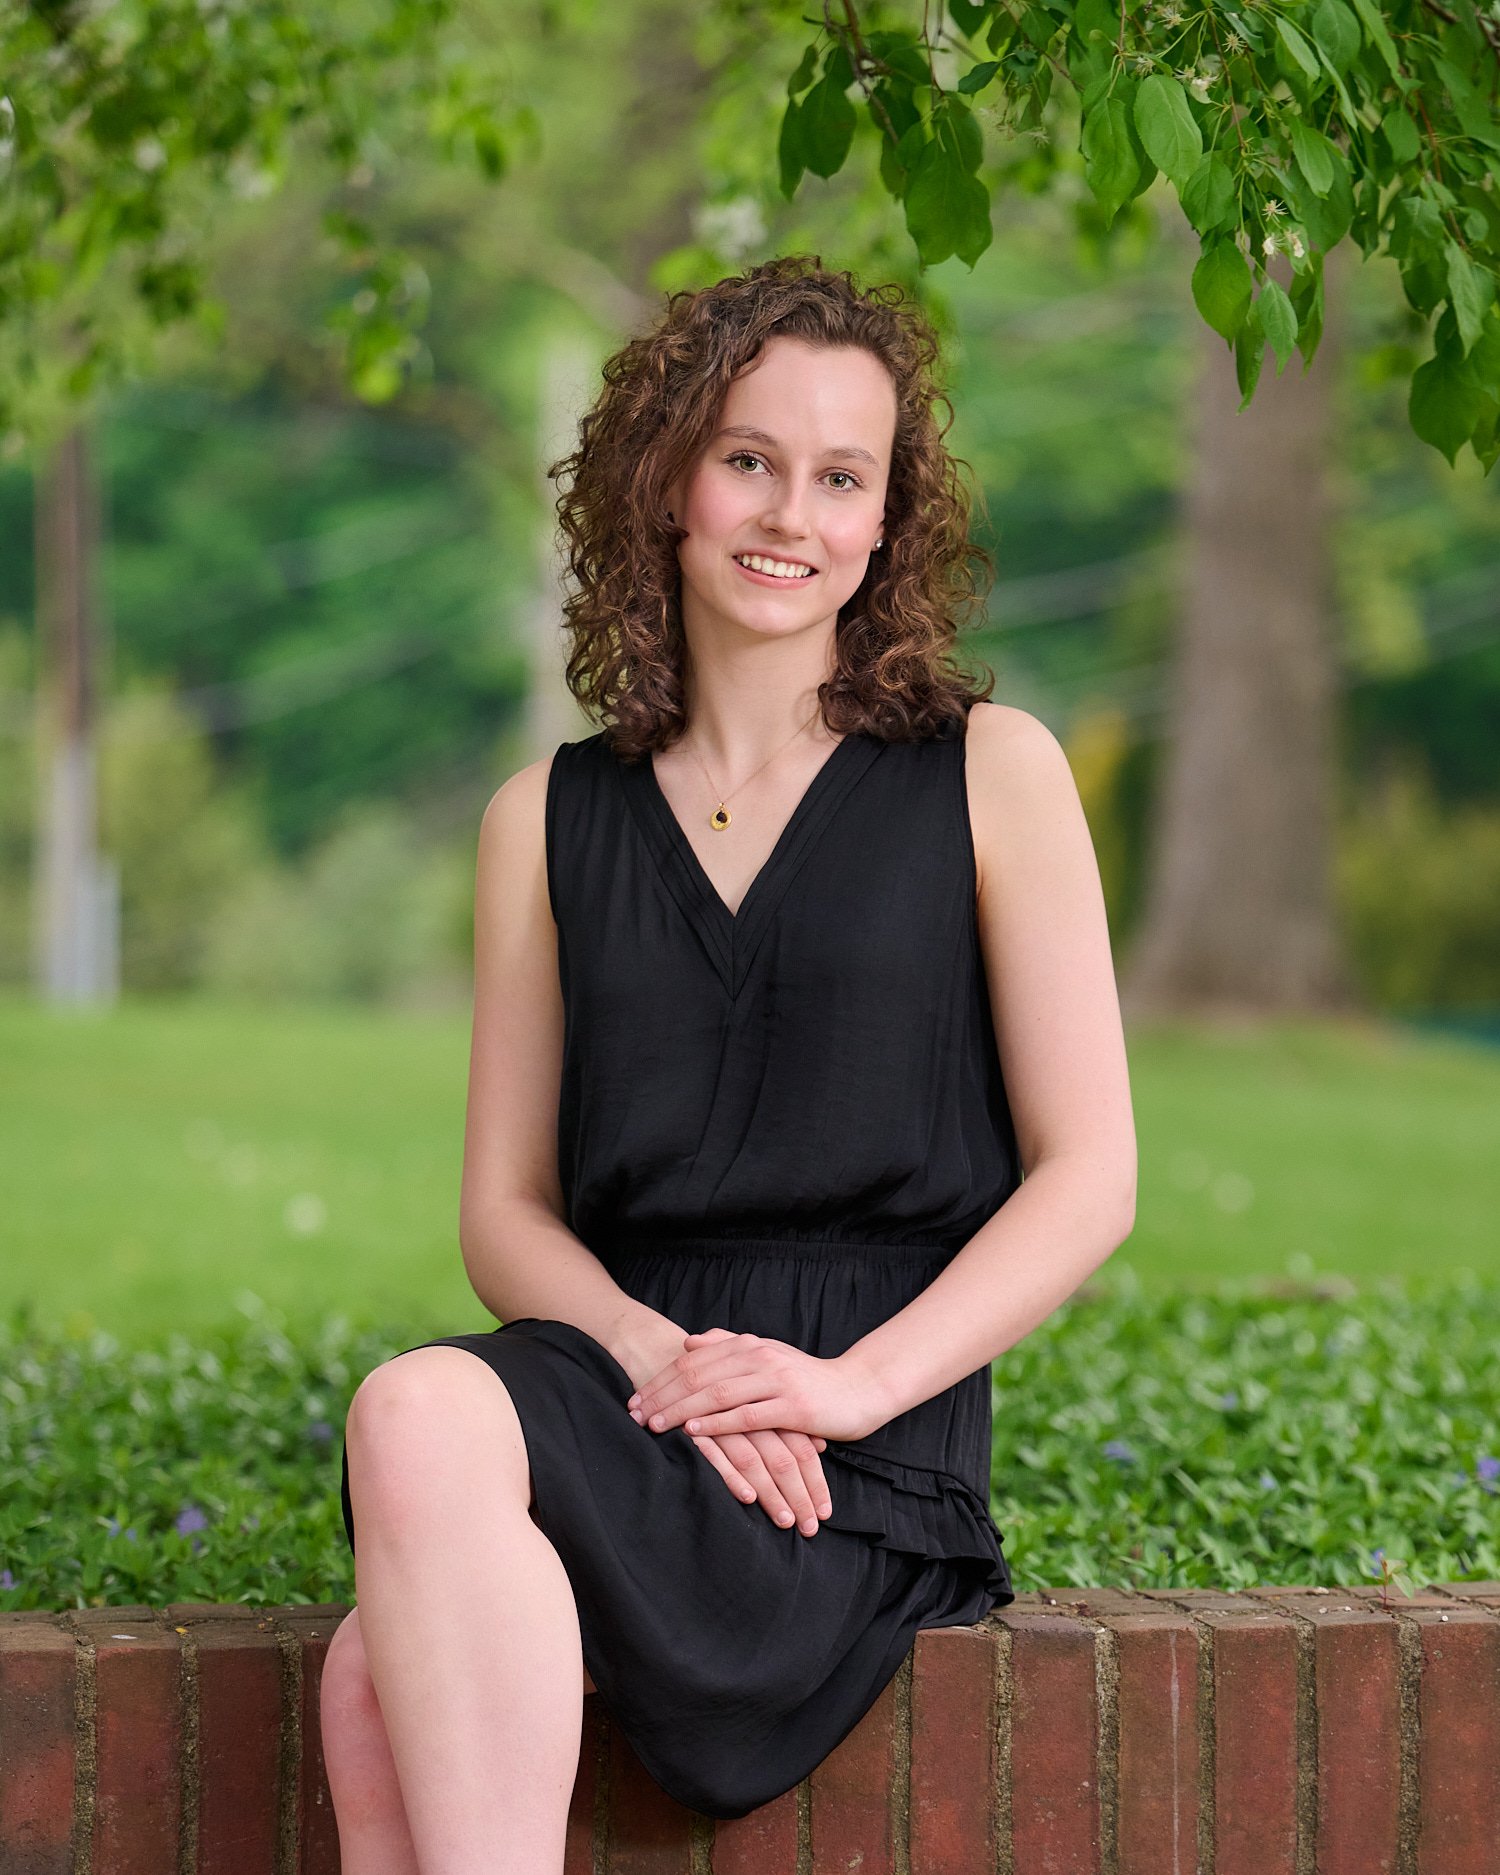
(719, 819)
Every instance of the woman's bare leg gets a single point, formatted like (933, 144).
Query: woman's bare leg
(374, 1835)
(469, 1626)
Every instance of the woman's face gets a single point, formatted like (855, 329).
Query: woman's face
(794, 477)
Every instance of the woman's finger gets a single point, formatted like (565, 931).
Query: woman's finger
(791, 1500)
(712, 1449)
(727, 1369)
(804, 1450)
(749, 1464)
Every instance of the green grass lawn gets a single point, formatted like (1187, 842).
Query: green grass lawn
(166, 1157)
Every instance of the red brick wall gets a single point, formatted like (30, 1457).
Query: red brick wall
(1277, 1731)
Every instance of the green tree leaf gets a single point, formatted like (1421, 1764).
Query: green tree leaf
(1469, 294)
(1167, 127)
(806, 71)
(826, 124)
(947, 209)
(1221, 287)
(1375, 29)
(1402, 137)
(1278, 321)
(978, 76)
(1327, 217)
(789, 148)
(958, 126)
(1445, 403)
(1208, 198)
(1307, 303)
(1312, 151)
(1297, 45)
(1109, 161)
(1336, 31)
(1249, 351)
(968, 15)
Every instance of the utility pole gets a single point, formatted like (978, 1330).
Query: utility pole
(76, 948)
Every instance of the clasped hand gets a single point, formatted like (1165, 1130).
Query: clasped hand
(751, 1403)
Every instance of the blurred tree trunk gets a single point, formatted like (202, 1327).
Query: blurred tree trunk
(1239, 910)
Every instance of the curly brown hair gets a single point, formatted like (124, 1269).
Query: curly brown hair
(895, 674)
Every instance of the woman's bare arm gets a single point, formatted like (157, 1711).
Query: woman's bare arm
(520, 1256)
(1056, 1012)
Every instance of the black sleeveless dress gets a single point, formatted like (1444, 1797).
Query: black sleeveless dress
(783, 1122)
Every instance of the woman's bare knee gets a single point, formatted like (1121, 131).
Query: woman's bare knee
(429, 1404)
(346, 1689)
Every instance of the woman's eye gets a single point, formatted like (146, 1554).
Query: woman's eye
(847, 477)
(743, 456)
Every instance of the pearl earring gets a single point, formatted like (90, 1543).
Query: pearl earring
(881, 542)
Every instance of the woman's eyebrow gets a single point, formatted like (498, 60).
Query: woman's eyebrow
(769, 442)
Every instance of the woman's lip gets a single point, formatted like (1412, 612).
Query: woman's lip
(771, 579)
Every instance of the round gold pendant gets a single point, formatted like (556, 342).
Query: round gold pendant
(719, 818)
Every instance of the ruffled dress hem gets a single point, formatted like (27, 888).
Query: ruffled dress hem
(921, 1511)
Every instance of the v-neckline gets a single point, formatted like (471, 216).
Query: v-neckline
(732, 937)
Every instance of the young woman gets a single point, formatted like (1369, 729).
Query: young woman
(742, 1173)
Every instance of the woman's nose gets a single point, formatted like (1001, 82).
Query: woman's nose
(789, 511)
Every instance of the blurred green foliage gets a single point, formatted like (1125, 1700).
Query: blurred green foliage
(123, 128)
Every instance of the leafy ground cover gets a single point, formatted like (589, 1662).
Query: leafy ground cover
(1301, 1432)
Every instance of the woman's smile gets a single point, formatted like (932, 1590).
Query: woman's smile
(773, 572)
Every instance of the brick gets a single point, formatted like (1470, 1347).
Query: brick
(650, 1833)
(37, 1745)
(1054, 1731)
(138, 1740)
(852, 1813)
(312, 1628)
(1356, 1674)
(1459, 1754)
(954, 1751)
(1255, 1738)
(184, 1614)
(1487, 1594)
(1158, 1768)
(583, 1806)
(239, 1745)
(763, 1842)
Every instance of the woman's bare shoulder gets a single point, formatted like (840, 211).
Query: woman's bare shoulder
(1001, 730)
(512, 857)
(1020, 785)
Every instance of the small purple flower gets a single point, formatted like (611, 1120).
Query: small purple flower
(1226, 1400)
(7, 1580)
(190, 1518)
(1487, 1470)
(320, 1432)
(1118, 1448)
(1267, 1482)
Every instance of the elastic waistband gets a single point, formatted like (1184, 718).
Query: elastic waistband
(802, 1249)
